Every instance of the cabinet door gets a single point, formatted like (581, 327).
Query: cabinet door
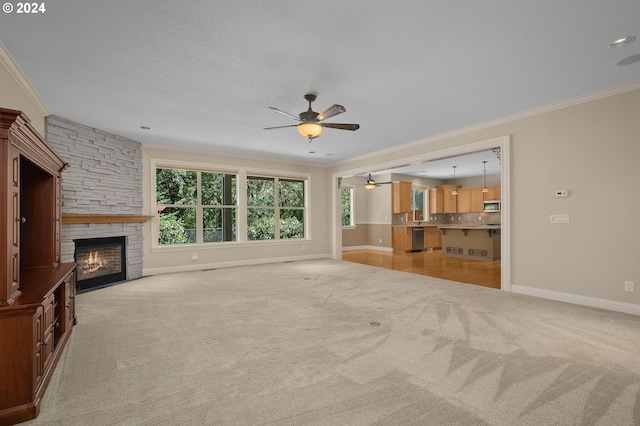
(38, 350)
(464, 200)
(48, 316)
(450, 200)
(401, 197)
(494, 192)
(477, 200)
(401, 238)
(13, 243)
(436, 201)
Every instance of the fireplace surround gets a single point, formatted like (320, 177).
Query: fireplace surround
(100, 261)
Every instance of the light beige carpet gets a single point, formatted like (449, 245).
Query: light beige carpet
(299, 343)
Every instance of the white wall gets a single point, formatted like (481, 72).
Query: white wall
(590, 148)
(171, 259)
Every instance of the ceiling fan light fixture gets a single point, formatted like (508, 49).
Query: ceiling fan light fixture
(310, 130)
(371, 184)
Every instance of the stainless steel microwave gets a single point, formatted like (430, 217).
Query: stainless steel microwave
(492, 206)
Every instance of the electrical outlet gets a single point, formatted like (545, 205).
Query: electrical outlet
(629, 286)
(194, 256)
(380, 240)
(561, 193)
(559, 218)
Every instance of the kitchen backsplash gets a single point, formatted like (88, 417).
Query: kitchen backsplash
(400, 219)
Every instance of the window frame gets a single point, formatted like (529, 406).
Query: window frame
(352, 207)
(241, 200)
(277, 208)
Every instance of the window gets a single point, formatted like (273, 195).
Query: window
(418, 203)
(195, 206)
(347, 207)
(275, 208)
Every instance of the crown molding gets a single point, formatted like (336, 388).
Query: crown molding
(594, 96)
(16, 73)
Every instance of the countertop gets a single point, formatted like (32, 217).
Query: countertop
(447, 226)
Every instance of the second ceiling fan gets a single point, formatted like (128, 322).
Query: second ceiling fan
(311, 123)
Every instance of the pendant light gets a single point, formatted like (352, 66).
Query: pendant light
(454, 192)
(484, 166)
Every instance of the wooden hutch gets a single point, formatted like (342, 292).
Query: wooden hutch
(37, 311)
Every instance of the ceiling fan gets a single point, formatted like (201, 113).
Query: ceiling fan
(311, 123)
(372, 184)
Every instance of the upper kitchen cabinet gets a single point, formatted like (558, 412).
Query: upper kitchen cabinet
(450, 203)
(436, 200)
(464, 200)
(401, 197)
(493, 194)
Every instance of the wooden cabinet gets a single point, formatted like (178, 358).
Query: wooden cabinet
(436, 201)
(450, 201)
(464, 200)
(493, 194)
(477, 200)
(432, 237)
(401, 238)
(37, 312)
(401, 197)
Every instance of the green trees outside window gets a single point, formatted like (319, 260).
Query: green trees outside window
(347, 206)
(195, 206)
(269, 198)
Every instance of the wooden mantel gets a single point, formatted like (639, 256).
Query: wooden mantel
(104, 218)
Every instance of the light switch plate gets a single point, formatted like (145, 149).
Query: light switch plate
(559, 218)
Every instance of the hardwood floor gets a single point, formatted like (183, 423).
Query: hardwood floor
(478, 272)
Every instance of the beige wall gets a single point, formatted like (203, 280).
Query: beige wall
(592, 149)
(169, 259)
(17, 93)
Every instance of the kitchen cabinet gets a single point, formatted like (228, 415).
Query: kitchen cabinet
(450, 202)
(436, 201)
(493, 194)
(36, 289)
(401, 197)
(432, 237)
(401, 238)
(464, 200)
(477, 200)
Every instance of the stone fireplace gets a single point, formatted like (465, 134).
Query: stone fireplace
(101, 191)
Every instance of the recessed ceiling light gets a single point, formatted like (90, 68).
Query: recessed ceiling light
(622, 41)
(145, 127)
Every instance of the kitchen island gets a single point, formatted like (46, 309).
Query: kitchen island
(481, 242)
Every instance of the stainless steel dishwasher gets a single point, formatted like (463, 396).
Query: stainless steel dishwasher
(417, 238)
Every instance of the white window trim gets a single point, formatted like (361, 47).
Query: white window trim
(351, 189)
(241, 209)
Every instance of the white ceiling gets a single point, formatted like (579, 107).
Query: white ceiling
(201, 74)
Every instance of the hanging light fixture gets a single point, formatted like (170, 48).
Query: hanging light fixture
(371, 184)
(484, 171)
(454, 192)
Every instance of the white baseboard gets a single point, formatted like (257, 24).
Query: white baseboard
(576, 299)
(217, 265)
(378, 248)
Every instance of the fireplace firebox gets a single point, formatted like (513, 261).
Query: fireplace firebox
(100, 261)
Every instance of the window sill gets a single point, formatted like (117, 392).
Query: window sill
(228, 245)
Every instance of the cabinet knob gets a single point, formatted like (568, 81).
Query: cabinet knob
(55, 324)
(39, 344)
(23, 220)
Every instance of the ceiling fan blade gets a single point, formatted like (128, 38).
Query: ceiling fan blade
(279, 111)
(331, 111)
(280, 127)
(341, 126)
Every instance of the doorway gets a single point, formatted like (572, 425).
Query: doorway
(502, 144)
